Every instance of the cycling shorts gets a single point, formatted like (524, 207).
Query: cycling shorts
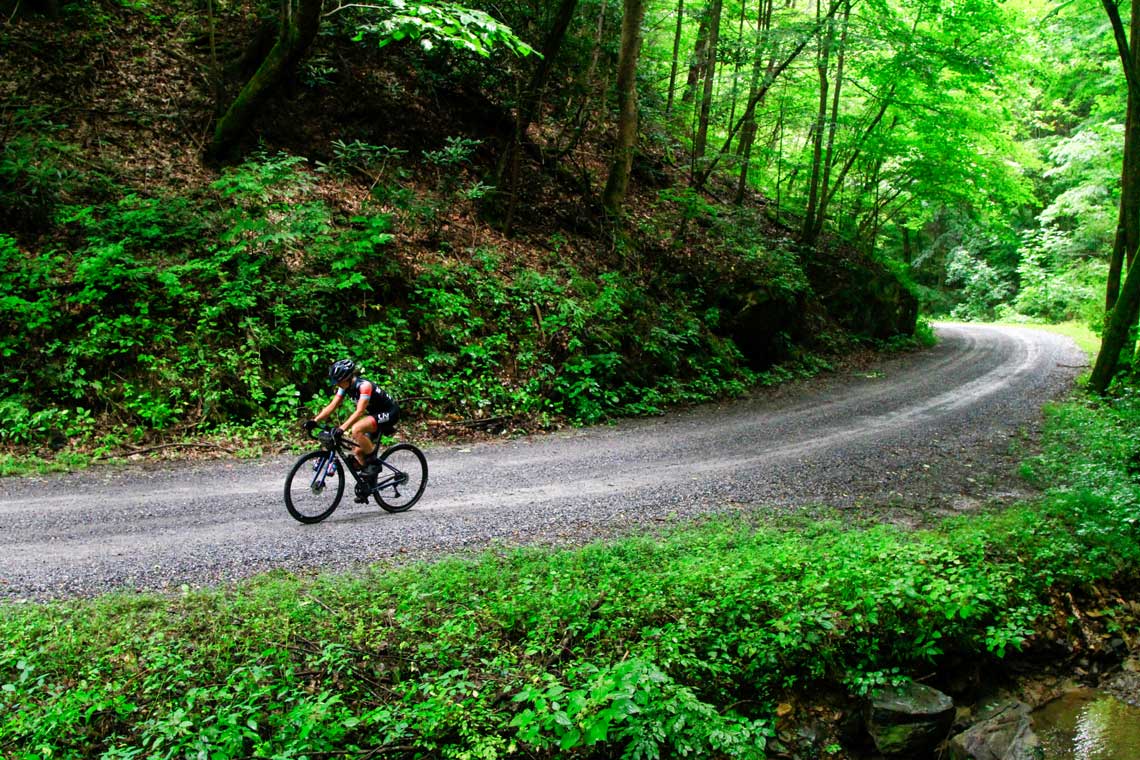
(386, 421)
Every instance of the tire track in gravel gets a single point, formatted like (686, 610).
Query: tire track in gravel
(914, 436)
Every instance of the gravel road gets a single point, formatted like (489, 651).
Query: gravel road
(909, 438)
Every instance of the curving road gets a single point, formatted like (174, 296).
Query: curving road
(907, 438)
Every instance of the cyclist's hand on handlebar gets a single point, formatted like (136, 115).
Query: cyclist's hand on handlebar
(309, 426)
(337, 434)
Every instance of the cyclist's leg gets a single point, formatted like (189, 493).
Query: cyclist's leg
(361, 433)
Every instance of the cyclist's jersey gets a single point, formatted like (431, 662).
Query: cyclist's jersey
(379, 402)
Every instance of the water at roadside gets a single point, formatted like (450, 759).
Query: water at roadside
(1088, 725)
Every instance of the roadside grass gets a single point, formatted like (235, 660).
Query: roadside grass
(649, 646)
(1081, 334)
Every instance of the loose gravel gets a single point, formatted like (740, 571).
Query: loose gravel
(908, 439)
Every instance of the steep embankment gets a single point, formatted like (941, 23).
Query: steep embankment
(175, 299)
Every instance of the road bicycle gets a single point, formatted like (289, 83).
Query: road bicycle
(315, 485)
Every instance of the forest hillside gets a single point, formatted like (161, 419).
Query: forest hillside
(381, 204)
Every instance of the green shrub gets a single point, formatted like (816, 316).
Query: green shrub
(1077, 293)
(982, 287)
(34, 172)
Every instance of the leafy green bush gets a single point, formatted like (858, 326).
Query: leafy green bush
(1076, 293)
(642, 648)
(33, 172)
(982, 288)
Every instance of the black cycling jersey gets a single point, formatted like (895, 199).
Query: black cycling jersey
(379, 402)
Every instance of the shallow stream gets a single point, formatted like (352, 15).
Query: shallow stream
(1088, 725)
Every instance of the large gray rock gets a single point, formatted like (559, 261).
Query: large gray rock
(909, 721)
(1002, 732)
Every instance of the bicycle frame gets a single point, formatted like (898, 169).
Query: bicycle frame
(337, 456)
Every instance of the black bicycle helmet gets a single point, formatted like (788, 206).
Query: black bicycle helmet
(341, 370)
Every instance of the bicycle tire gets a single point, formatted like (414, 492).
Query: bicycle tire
(409, 460)
(300, 502)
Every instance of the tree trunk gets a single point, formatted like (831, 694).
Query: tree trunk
(676, 56)
(702, 136)
(297, 29)
(1123, 302)
(618, 182)
(529, 103)
(823, 61)
(597, 43)
(736, 66)
(748, 131)
(759, 96)
(696, 66)
(827, 192)
(1128, 227)
(1116, 332)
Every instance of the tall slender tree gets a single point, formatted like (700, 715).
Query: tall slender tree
(756, 97)
(748, 131)
(622, 161)
(529, 104)
(697, 63)
(823, 63)
(676, 55)
(701, 138)
(1123, 306)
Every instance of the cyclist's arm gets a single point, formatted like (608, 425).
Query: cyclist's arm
(330, 408)
(360, 411)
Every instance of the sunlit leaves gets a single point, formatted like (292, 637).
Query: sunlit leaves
(455, 25)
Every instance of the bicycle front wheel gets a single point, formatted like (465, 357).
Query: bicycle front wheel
(403, 478)
(314, 487)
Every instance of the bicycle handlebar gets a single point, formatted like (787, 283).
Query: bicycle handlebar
(328, 440)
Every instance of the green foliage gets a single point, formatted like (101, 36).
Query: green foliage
(690, 205)
(454, 25)
(1096, 449)
(34, 173)
(634, 705)
(457, 152)
(223, 309)
(982, 287)
(584, 348)
(450, 160)
(364, 159)
(1056, 295)
(924, 333)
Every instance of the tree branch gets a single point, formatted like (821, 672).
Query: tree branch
(759, 95)
(1122, 47)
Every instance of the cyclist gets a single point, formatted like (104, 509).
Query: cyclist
(375, 414)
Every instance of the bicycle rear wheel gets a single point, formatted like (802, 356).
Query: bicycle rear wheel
(314, 487)
(404, 476)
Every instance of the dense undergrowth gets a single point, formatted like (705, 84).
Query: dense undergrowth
(650, 646)
(224, 309)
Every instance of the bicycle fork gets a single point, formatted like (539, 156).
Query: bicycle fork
(323, 468)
